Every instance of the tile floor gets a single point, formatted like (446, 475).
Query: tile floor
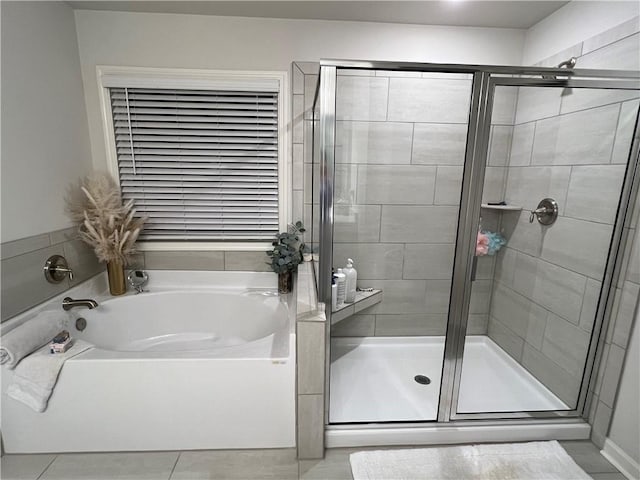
(231, 465)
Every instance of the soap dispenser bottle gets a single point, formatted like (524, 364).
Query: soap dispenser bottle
(351, 280)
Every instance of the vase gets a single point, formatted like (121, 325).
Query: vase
(285, 282)
(115, 272)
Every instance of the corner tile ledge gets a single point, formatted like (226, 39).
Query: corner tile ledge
(363, 300)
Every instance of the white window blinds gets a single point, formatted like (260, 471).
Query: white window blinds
(202, 165)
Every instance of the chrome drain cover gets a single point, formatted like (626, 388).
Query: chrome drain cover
(422, 379)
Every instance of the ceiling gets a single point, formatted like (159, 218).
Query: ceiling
(475, 13)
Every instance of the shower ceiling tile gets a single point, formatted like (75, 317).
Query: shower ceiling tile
(397, 184)
(439, 144)
(578, 138)
(361, 98)
(429, 100)
(373, 142)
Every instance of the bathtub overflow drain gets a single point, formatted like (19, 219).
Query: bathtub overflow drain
(422, 380)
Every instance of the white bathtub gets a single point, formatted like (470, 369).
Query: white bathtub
(203, 360)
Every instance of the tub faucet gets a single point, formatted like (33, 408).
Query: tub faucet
(68, 303)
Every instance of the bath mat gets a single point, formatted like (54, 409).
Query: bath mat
(521, 461)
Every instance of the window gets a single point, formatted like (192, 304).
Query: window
(202, 158)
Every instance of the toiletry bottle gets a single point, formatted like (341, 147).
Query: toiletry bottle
(350, 284)
(334, 293)
(340, 282)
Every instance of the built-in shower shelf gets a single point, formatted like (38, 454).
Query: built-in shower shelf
(363, 300)
(507, 208)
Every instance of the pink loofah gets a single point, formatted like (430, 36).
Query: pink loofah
(482, 244)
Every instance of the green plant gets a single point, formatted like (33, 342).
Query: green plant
(287, 249)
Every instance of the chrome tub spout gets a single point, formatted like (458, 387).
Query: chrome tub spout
(68, 303)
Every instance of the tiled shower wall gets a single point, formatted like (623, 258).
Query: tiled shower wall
(400, 147)
(571, 145)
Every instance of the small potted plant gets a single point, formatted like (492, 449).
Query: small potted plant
(287, 255)
(105, 223)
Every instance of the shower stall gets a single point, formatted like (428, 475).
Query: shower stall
(485, 208)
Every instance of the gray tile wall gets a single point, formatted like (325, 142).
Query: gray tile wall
(570, 145)
(23, 282)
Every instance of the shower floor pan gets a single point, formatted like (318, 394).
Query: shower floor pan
(373, 379)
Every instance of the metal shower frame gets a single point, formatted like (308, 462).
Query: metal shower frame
(485, 79)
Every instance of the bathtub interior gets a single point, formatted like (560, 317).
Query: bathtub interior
(185, 320)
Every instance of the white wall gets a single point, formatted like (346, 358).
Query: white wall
(45, 140)
(625, 425)
(193, 41)
(573, 23)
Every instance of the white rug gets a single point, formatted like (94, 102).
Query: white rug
(522, 461)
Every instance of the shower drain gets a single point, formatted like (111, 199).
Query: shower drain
(422, 379)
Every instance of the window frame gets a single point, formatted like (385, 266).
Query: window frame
(199, 79)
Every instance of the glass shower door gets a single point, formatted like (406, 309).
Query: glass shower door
(400, 145)
(556, 163)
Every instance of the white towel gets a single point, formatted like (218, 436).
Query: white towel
(36, 376)
(28, 337)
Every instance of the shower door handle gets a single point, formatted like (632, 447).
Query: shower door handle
(474, 267)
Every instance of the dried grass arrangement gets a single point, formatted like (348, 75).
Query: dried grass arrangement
(104, 222)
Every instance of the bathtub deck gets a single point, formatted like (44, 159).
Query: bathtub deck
(372, 379)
